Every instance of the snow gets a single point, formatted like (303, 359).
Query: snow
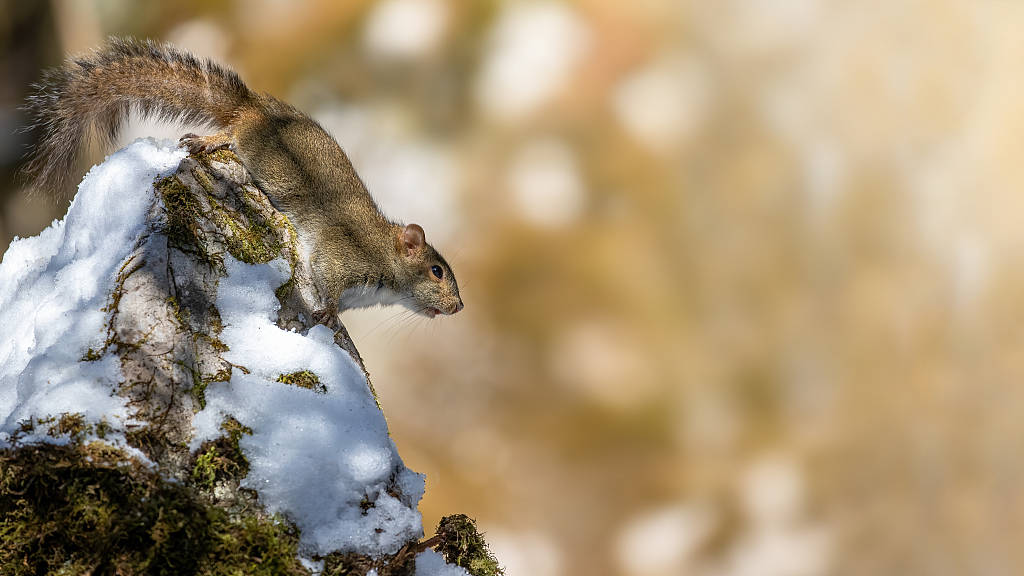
(313, 457)
(53, 287)
(430, 563)
(316, 458)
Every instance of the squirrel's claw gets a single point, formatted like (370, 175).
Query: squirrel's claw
(328, 317)
(207, 144)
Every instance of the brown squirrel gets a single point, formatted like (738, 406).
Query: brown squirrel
(359, 256)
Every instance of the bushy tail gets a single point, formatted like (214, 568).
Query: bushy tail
(93, 94)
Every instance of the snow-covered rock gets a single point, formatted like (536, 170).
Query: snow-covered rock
(169, 314)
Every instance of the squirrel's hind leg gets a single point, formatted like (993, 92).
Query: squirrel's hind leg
(207, 144)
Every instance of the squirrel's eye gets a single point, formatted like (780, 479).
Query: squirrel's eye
(437, 271)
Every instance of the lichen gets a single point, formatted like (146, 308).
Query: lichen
(461, 544)
(304, 379)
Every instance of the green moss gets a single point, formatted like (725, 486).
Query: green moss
(103, 428)
(284, 290)
(198, 390)
(182, 213)
(70, 425)
(250, 239)
(88, 509)
(200, 384)
(304, 379)
(247, 235)
(204, 472)
(91, 355)
(253, 244)
(216, 343)
(293, 241)
(224, 156)
(180, 314)
(461, 544)
(216, 326)
(349, 564)
(221, 459)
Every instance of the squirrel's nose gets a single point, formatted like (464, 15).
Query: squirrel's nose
(458, 306)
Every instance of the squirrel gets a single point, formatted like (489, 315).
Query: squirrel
(359, 257)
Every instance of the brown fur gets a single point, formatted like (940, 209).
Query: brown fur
(292, 158)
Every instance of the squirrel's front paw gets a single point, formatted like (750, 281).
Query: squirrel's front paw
(328, 317)
(206, 144)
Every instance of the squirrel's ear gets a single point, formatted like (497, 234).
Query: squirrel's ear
(413, 239)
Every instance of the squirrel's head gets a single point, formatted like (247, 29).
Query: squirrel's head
(425, 277)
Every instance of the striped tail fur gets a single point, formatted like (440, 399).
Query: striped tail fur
(91, 96)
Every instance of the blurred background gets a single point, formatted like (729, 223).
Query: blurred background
(742, 281)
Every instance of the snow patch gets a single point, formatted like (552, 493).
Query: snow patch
(53, 287)
(430, 563)
(318, 459)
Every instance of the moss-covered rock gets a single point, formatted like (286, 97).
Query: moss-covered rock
(93, 509)
(461, 544)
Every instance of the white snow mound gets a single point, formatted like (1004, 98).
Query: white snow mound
(430, 563)
(313, 457)
(53, 287)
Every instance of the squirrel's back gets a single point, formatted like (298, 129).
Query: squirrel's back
(92, 95)
(359, 256)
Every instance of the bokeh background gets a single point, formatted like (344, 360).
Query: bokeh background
(742, 278)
